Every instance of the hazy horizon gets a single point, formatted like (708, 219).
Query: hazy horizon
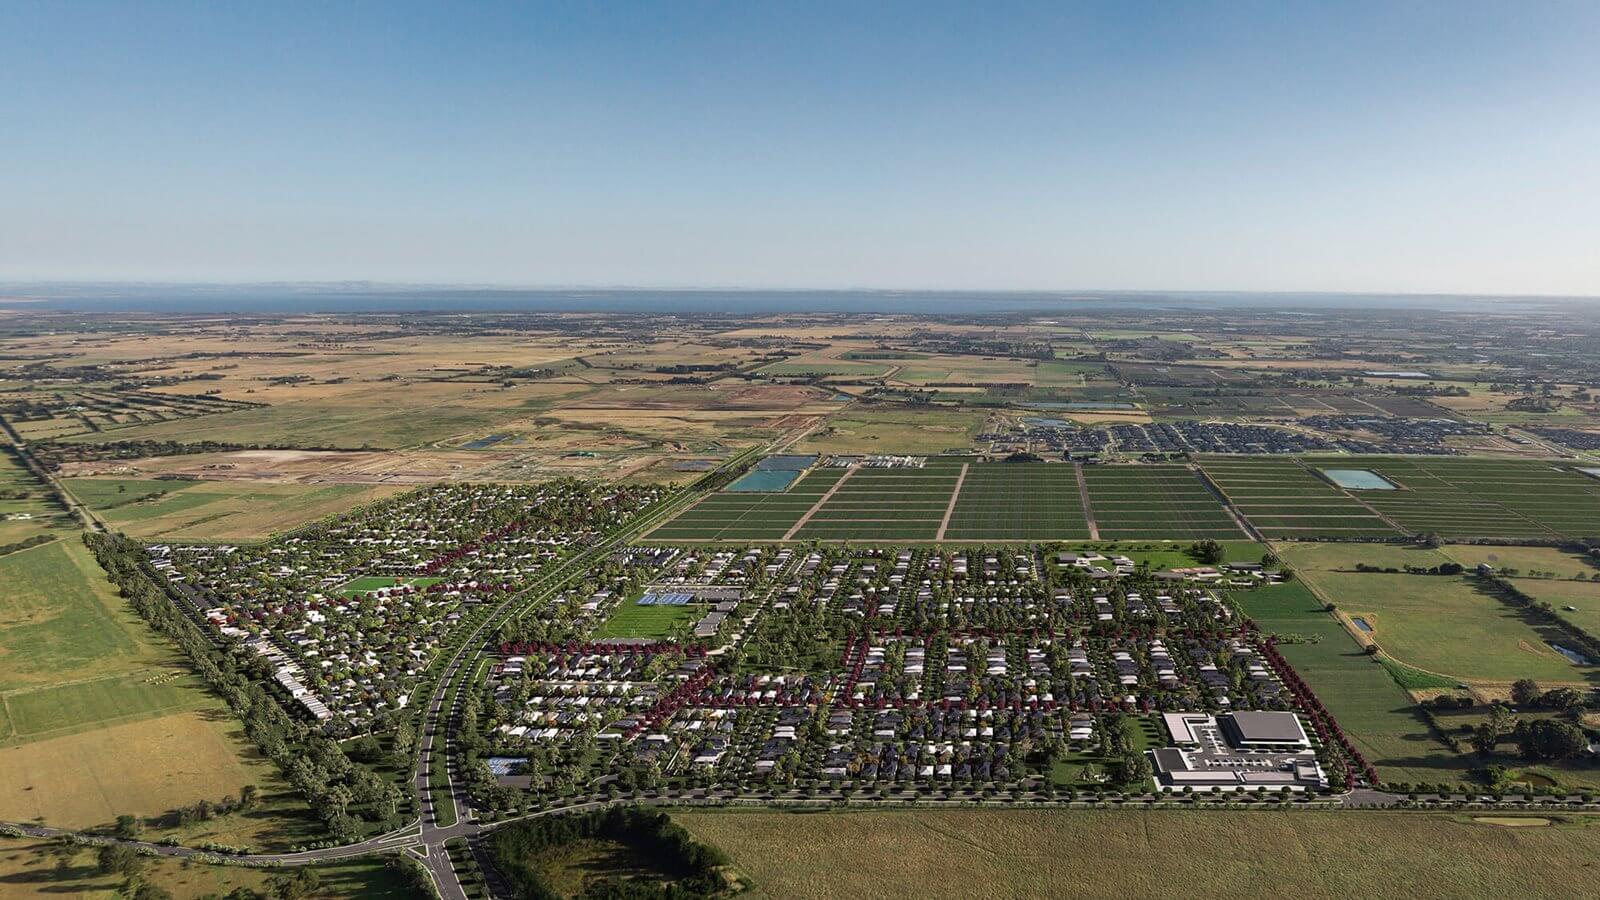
(374, 297)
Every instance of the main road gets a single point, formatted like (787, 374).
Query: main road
(456, 818)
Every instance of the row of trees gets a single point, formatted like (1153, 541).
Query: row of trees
(1583, 642)
(1449, 568)
(341, 792)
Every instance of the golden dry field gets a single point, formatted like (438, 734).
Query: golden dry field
(1085, 853)
(99, 716)
(145, 767)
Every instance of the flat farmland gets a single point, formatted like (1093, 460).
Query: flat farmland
(749, 517)
(1447, 625)
(1283, 499)
(1019, 501)
(60, 621)
(100, 716)
(1109, 853)
(144, 767)
(1345, 556)
(1379, 716)
(27, 508)
(1526, 560)
(1582, 596)
(218, 510)
(886, 504)
(825, 366)
(870, 429)
(40, 713)
(1487, 497)
(347, 416)
(1028, 501)
(1155, 501)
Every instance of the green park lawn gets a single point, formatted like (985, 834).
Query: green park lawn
(634, 621)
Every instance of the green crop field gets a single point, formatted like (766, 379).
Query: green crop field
(1105, 853)
(997, 501)
(1155, 501)
(1283, 499)
(27, 507)
(60, 620)
(102, 494)
(886, 504)
(1019, 501)
(1381, 718)
(1475, 498)
(1447, 625)
(98, 714)
(749, 517)
(68, 708)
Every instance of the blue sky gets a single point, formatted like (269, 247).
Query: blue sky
(1432, 147)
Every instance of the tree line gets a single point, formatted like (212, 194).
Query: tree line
(342, 793)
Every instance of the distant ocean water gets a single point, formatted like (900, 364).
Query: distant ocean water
(350, 298)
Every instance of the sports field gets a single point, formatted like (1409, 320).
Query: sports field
(1487, 498)
(1105, 853)
(1155, 501)
(630, 620)
(367, 583)
(1283, 499)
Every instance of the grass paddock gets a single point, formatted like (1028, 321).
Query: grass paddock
(1091, 853)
